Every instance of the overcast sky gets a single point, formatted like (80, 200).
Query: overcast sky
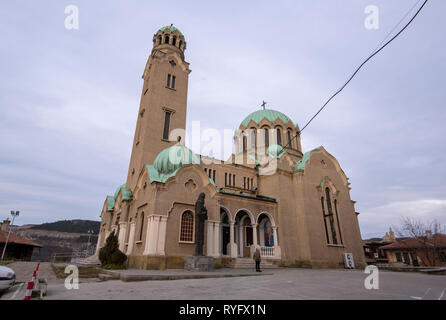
(69, 98)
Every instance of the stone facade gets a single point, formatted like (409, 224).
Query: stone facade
(294, 206)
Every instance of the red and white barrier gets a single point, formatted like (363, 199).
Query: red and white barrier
(29, 290)
(30, 286)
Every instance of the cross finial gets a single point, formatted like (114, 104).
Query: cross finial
(263, 104)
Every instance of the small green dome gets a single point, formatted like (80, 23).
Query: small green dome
(270, 115)
(171, 159)
(275, 151)
(171, 28)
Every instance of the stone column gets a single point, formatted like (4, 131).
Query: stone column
(277, 251)
(131, 238)
(216, 239)
(254, 235)
(210, 238)
(241, 242)
(232, 245)
(149, 231)
(160, 250)
(122, 234)
(99, 244)
(154, 235)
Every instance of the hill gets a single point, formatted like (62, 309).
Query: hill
(71, 226)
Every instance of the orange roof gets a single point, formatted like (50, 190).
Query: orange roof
(16, 239)
(439, 240)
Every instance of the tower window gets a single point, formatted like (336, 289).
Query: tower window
(180, 44)
(166, 39)
(289, 138)
(173, 82)
(213, 175)
(266, 137)
(166, 125)
(279, 136)
(142, 227)
(174, 41)
(160, 40)
(168, 80)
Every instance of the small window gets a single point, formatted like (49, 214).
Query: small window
(253, 138)
(230, 177)
(233, 180)
(180, 44)
(213, 175)
(174, 41)
(168, 80)
(173, 82)
(187, 227)
(244, 182)
(166, 39)
(166, 125)
(160, 40)
(226, 179)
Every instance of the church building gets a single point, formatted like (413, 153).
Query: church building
(293, 206)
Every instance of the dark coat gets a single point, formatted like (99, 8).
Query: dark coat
(256, 256)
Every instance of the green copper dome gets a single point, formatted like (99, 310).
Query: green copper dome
(171, 28)
(275, 151)
(173, 158)
(270, 115)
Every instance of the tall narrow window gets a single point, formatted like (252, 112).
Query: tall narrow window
(288, 133)
(174, 41)
(173, 82)
(210, 173)
(166, 125)
(160, 40)
(279, 136)
(166, 39)
(266, 137)
(142, 226)
(330, 217)
(168, 80)
(325, 221)
(244, 142)
(337, 220)
(187, 227)
(233, 180)
(230, 176)
(213, 175)
(253, 138)
(226, 179)
(252, 183)
(244, 182)
(180, 44)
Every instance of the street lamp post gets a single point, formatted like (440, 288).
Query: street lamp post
(14, 214)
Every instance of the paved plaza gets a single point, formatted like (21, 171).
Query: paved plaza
(282, 284)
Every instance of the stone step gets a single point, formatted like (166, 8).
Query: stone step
(246, 263)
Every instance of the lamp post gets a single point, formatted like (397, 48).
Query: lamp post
(14, 214)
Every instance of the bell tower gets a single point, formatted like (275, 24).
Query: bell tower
(163, 101)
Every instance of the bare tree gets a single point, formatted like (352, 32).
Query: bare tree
(426, 234)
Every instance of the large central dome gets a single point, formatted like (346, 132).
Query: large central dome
(270, 115)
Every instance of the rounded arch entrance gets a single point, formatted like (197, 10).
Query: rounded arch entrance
(244, 232)
(266, 226)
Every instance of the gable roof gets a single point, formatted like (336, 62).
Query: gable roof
(439, 239)
(16, 239)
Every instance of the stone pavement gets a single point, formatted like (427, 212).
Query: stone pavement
(294, 284)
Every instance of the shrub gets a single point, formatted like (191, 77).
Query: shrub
(110, 253)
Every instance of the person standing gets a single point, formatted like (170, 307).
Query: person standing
(257, 259)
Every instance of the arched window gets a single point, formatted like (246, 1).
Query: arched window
(253, 138)
(325, 221)
(187, 227)
(288, 133)
(160, 39)
(266, 136)
(244, 142)
(337, 220)
(166, 39)
(279, 136)
(174, 41)
(142, 226)
(330, 217)
(180, 44)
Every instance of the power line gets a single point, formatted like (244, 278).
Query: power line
(375, 52)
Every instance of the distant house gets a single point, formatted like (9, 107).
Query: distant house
(428, 251)
(18, 248)
(373, 248)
